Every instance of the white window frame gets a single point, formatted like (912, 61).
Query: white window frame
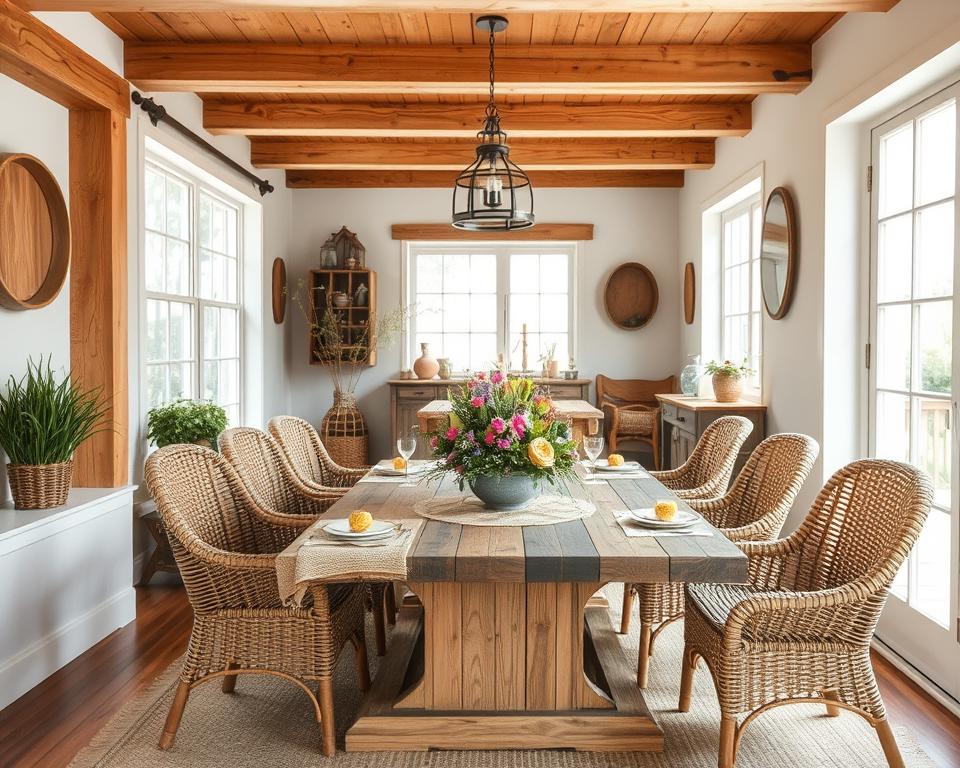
(502, 251)
(195, 185)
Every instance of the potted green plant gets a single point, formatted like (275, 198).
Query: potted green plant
(186, 421)
(42, 423)
(728, 379)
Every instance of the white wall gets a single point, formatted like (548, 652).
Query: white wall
(860, 56)
(630, 225)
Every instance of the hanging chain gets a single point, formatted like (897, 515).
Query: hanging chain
(491, 105)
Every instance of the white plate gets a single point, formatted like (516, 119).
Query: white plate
(649, 519)
(628, 466)
(341, 529)
(385, 467)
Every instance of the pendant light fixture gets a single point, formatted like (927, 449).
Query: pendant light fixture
(492, 193)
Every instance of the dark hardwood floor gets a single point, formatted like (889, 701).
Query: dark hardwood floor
(48, 725)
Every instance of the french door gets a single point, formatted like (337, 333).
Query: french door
(915, 374)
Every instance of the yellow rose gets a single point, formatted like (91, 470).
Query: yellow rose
(540, 452)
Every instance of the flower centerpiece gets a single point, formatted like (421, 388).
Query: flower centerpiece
(503, 440)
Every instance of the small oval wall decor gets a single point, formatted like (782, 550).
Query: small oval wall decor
(34, 233)
(689, 293)
(631, 296)
(279, 290)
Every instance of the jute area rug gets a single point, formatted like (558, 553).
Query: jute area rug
(268, 724)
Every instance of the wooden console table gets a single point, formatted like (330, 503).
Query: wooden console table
(683, 419)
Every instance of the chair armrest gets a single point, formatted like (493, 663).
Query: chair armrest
(768, 560)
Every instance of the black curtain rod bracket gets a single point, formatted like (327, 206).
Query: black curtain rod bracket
(158, 114)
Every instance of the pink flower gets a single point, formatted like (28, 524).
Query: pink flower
(489, 437)
(481, 375)
(433, 443)
(496, 377)
(503, 444)
(451, 457)
(519, 424)
(452, 433)
(498, 425)
(476, 402)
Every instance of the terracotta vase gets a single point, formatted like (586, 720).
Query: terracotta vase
(727, 389)
(425, 366)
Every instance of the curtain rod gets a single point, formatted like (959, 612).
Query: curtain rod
(158, 113)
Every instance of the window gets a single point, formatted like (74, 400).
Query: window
(192, 345)
(474, 302)
(740, 299)
(912, 317)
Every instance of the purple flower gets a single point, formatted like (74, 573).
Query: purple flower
(471, 438)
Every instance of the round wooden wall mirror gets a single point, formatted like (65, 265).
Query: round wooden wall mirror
(631, 296)
(34, 233)
(778, 253)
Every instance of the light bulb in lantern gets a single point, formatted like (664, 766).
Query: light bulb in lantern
(492, 197)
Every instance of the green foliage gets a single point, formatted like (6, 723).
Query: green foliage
(43, 421)
(493, 421)
(726, 368)
(185, 421)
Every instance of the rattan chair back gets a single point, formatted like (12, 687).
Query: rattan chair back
(307, 454)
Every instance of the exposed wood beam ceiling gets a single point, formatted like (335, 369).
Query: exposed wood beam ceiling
(373, 93)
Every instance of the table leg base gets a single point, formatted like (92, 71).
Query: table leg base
(382, 725)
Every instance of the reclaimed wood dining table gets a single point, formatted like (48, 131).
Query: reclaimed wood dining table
(506, 640)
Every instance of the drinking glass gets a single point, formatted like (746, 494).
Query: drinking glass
(406, 446)
(593, 446)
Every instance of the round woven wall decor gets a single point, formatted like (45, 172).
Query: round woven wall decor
(34, 233)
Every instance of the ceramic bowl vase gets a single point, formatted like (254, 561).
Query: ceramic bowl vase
(504, 493)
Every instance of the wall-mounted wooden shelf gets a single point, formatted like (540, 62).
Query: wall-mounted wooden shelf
(352, 319)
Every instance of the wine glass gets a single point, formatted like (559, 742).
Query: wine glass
(406, 445)
(593, 446)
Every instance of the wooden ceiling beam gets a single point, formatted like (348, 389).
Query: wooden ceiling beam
(257, 118)
(369, 179)
(455, 154)
(462, 6)
(531, 69)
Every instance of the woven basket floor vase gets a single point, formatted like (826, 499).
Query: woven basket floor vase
(800, 629)
(344, 431)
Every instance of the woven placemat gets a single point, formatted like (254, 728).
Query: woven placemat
(469, 510)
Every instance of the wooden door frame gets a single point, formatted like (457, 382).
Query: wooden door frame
(99, 103)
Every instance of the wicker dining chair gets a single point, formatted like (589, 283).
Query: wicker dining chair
(308, 456)
(800, 631)
(754, 509)
(275, 484)
(704, 475)
(631, 412)
(226, 545)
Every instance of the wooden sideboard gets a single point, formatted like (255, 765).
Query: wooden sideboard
(408, 396)
(683, 419)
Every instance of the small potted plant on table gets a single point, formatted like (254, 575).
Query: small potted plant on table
(42, 423)
(186, 421)
(503, 440)
(728, 379)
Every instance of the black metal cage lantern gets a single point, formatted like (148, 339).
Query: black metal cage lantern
(492, 193)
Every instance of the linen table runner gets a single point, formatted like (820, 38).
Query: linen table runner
(469, 510)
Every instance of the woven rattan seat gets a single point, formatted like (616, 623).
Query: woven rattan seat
(755, 508)
(801, 631)
(304, 449)
(226, 545)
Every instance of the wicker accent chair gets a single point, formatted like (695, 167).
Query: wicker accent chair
(705, 475)
(275, 484)
(309, 458)
(754, 509)
(226, 547)
(801, 630)
(631, 411)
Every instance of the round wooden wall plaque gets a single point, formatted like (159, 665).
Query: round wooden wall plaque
(34, 233)
(631, 296)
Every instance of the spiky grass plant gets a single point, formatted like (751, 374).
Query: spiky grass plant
(43, 421)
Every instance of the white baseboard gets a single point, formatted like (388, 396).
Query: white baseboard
(926, 684)
(35, 663)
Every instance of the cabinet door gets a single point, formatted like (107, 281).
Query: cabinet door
(681, 447)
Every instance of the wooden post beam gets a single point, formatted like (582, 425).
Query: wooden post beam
(456, 154)
(40, 58)
(531, 69)
(423, 179)
(462, 6)
(98, 285)
(265, 118)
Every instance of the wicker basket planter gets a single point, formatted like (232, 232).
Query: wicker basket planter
(40, 486)
(344, 431)
(727, 389)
